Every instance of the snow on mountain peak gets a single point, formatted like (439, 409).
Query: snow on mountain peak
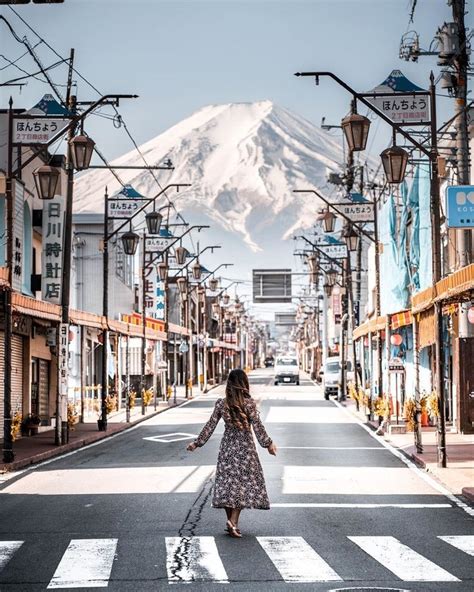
(243, 161)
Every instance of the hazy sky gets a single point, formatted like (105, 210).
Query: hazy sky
(180, 55)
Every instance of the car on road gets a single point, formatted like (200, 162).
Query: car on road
(269, 362)
(287, 370)
(331, 375)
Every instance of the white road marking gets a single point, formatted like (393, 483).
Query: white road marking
(325, 415)
(86, 563)
(362, 506)
(124, 480)
(296, 560)
(380, 448)
(464, 542)
(168, 438)
(352, 480)
(411, 465)
(7, 550)
(405, 563)
(194, 558)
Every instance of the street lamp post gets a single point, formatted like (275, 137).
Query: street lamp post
(395, 163)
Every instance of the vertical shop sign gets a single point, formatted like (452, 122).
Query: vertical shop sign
(17, 270)
(53, 243)
(63, 350)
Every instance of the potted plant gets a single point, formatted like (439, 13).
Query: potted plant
(29, 424)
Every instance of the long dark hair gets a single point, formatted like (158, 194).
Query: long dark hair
(237, 390)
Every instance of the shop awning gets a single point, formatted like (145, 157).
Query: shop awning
(370, 326)
(3, 276)
(178, 329)
(31, 307)
(426, 328)
(87, 319)
(401, 319)
(451, 287)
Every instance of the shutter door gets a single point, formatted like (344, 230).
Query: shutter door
(2, 374)
(17, 373)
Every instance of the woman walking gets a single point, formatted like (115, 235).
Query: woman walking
(239, 480)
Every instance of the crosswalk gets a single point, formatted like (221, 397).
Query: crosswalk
(89, 563)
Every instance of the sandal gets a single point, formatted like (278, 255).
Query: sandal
(228, 529)
(233, 531)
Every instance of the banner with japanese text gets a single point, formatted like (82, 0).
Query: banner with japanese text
(53, 245)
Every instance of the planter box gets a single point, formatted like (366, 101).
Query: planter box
(397, 429)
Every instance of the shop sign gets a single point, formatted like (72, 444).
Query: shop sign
(36, 130)
(356, 212)
(460, 206)
(184, 347)
(155, 304)
(63, 356)
(53, 244)
(18, 208)
(396, 365)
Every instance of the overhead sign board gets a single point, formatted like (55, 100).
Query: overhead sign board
(401, 100)
(271, 285)
(337, 251)
(120, 209)
(460, 206)
(356, 212)
(156, 244)
(36, 130)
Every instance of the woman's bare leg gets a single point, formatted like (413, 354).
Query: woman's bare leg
(228, 512)
(234, 517)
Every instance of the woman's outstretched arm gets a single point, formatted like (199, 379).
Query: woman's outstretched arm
(263, 438)
(210, 426)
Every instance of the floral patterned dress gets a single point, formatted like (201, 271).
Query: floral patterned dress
(239, 481)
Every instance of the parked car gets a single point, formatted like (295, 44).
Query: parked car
(331, 376)
(287, 370)
(269, 362)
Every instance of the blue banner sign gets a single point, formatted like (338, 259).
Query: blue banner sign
(460, 206)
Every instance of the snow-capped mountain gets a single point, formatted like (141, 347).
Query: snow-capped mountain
(243, 161)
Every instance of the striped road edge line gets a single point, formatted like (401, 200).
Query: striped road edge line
(7, 550)
(362, 506)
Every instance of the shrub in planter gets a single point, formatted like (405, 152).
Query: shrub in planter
(29, 424)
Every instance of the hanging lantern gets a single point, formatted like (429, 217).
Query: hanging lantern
(46, 181)
(182, 285)
(356, 129)
(216, 309)
(130, 242)
(180, 253)
(366, 341)
(82, 149)
(213, 284)
(396, 339)
(226, 298)
(327, 290)
(331, 276)
(162, 270)
(197, 270)
(311, 260)
(352, 239)
(394, 161)
(202, 295)
(153, 222)
(470, 315)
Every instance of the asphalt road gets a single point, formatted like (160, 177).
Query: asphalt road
(133, 513)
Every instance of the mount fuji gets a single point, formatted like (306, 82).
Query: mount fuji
(243, 160)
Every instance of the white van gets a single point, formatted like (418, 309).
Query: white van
(331, 374)
(287, 370)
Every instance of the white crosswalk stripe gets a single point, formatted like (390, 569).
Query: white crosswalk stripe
(86, 563)
(464, 543)
(190, 559)
(296, 560)
(7, 550)
(405, 563)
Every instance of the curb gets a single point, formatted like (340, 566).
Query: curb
(468, 493)
(37, 458)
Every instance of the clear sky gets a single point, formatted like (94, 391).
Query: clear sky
(180, 55)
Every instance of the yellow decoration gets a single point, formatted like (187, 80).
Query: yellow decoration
(147, 397)
(132, 395)
(432, 404)
(16, 425)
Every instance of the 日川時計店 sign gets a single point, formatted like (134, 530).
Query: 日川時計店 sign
(460, 206)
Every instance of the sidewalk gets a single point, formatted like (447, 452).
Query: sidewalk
(35, 449)
(457, 477)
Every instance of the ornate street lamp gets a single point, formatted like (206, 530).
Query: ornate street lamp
(162, 270)
(327, 290)
(311, 259)
(182, 285)
(352, 238)
(216, 309)
(394, 161)
(153, 222)
(82, 149)
(180, 254)
(213, 284)
(225, 298)
(331, 276)
(130, 242)
(197, 271)
(328, 219)
(46, 181)
(202, 295)
(356, 129)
